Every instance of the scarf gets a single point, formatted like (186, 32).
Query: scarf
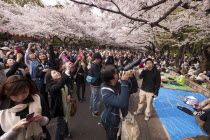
(66, 106)
(8, 119)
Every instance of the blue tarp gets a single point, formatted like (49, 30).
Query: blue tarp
(178, 124)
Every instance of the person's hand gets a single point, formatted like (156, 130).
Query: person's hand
(30, 45)
(45, 70)
(68, 98)
(69, 65)
(21, 124)
(19, 56)
(37, 118)
(131, 73)
(205, 104)
(125, 75)
(145, 68)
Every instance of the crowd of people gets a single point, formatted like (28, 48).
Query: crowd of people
(40, 79)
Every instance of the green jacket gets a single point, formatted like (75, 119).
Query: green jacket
(180, 79)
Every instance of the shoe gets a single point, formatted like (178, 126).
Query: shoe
(137, 113)
(98, 114)
(69, 135)
(81, 101)
(146, 118)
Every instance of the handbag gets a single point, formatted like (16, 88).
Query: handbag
(73, 107)
(90, 79)
(129, 128)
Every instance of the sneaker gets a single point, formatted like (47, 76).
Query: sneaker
(81, 101)
(146, 118)
(98, 114)
(137, 113)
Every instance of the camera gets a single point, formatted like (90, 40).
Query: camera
(129, 66)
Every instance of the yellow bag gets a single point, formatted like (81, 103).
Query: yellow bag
(129, 128)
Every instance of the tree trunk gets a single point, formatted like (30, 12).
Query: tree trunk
(180, 56)
(205, 63)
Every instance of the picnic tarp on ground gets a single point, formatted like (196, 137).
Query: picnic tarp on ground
(178, 124)
(183, 87)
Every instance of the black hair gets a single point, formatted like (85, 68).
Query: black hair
(107, 73)
(97, 56)
(149, 59)
(179, 72)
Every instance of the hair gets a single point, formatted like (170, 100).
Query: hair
(194, 68)
(179, 72)
(97, 56)
(149, 59)
(107, 73)
(48, 77)
(15, 84)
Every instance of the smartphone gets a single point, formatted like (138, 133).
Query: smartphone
(29, 116)
(65, 59)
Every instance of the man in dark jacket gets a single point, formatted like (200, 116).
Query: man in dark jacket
(41, 69)
(95, 85)
(149, 89)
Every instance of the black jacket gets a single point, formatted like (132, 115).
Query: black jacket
(151, 80)
(55, 92)
(95, 71)
(51, 63)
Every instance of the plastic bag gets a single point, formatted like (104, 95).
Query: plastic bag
(190, 100)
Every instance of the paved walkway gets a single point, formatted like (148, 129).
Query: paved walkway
(86, 127)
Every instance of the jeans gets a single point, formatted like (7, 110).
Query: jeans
(61, 129)
(111, 134)
(95, 99)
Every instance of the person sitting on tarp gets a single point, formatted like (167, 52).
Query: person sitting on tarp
(192, 73)
(179, 79)
(202, 77)
(204, 119)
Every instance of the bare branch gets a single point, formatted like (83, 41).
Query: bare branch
(153, 5)
(166, 13)
(116, 5)
(163, 27)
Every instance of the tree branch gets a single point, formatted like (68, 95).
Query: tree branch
(166, 14)
(153, 5)
(119, 12)
(109, 10)
(116, 5)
